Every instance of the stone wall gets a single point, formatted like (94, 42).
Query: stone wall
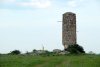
(69, 29)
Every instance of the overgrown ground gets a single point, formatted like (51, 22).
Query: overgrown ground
(50, 61)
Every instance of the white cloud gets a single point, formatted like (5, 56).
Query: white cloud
(31, 3)
(75, 3)
(36, 3)
(72, 3)
(7, 1)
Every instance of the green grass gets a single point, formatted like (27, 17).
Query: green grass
(50, 61)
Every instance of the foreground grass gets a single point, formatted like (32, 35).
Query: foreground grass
(50, 61)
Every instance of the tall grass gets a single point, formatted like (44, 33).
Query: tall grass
(50, 61)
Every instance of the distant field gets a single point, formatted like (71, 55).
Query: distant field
(50, 61)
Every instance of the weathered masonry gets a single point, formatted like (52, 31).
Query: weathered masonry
(69, 29)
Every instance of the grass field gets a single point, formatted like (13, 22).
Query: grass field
(50, 61)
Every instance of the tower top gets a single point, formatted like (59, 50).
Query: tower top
(68, 13)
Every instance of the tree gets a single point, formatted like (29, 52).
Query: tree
(34, 51)
(75, 49)
(15, 52)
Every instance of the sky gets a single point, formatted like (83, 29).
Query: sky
(30, 24)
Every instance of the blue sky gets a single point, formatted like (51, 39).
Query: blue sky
(28, 24)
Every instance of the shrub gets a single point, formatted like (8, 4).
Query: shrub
(15, 52)
(34, 51)
(75, 49)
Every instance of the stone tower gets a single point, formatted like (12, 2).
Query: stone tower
(69, 29)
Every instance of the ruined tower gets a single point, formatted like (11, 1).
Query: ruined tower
(69, 29)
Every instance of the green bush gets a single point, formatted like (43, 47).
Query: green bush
(15, 52)
(75, 49)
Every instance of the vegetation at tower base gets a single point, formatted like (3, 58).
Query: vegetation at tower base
(75, 49)
(15, 52)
